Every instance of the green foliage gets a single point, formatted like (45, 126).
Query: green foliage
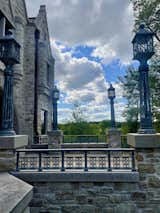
(79, 126)
(85, 128)
(131, 93)
(130, 86)
(149, 13)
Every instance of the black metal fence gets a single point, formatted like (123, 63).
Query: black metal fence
(84, 139)
(75, 159)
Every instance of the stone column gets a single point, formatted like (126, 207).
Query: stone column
(55, 138)
(147, 153)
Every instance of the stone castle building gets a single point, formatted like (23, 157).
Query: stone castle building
(34, 76)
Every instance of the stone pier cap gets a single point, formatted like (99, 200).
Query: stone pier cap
(122, 177)
(15, 194)
(13, 142)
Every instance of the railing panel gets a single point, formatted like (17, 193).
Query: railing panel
(76, 159)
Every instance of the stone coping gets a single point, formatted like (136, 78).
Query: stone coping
(55, 133)
(15, 194)
(13, 142)
(144, 140)
(78, 176)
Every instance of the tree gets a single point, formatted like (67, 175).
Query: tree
(131, 92)
(77, 114)
(149, 13)
(130, 87)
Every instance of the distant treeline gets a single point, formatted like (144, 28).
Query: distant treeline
(90, 128)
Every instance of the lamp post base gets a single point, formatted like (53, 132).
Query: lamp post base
(7, 132)
(114, 138)
(55, 139)
(146, 131)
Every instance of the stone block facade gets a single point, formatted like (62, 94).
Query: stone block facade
(149, 171)
(85, 197)
(34, 76)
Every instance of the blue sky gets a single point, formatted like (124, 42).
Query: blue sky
(111, 70)
(91, 50)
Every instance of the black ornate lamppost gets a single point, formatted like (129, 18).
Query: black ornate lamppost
(143, 50)
(111, 96)
(9, 55)
(56, 95)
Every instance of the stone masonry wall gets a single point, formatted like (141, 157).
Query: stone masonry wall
(29, 86)
(85, 197)
(149, 171)
(45, 60)
(24, 73)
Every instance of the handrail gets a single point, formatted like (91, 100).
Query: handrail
(76, 149)
(107, 159)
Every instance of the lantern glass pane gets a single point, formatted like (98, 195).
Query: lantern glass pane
(111, 93)
(145, 44)
(56, 95)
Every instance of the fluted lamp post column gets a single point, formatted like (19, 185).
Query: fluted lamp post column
(56, 135)
(111, 96)
(114, 135)
(9, 55)
(146, 138)
(56, 95)
(143, 50)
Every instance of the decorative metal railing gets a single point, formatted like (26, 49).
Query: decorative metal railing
(75, 159)
(84, 139)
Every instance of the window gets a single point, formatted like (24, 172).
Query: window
(44, 122)
(48, 74)
(5, 25)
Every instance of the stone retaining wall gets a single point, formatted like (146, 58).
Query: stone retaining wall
(149, 173)
(84, 197)
(85, 192)
(100, 193)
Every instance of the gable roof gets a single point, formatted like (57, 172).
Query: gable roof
(7, 10)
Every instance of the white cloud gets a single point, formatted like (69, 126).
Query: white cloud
(105, 24)
(74, 73)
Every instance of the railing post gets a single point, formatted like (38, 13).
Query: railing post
(62, 163)
(40, 162)
(109, 161)
(85, 161)
(133, 162)
(17, 162)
